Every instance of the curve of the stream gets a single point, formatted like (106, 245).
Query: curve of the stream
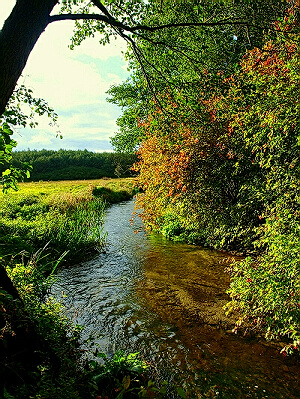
(165, 300)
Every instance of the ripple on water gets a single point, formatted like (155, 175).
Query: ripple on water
(165, 300)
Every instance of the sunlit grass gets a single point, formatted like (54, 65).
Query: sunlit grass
(65, 216)
(52, 187)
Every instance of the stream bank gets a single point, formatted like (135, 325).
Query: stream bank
(165, 300)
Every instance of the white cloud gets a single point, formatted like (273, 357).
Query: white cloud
(41, 138)
(55, 70)
(6, 7)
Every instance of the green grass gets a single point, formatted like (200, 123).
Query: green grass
(65, 216)
(51, 187)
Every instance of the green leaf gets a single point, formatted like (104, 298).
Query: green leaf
(6, 129)
(6, 172)
(181, 392)
(126, 382)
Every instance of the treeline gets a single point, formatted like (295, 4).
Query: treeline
(219, 147)
(74, 165)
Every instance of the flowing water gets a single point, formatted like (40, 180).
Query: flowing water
(165, 300)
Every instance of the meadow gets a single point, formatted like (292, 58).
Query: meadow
(64, 218)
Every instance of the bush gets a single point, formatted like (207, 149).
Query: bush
(38, 341)
(110, 196)
(266, 289)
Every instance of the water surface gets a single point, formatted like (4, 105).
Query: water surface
(165, 299)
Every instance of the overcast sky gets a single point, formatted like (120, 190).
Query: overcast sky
(74, 84)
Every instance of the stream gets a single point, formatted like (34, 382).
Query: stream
(165, 300)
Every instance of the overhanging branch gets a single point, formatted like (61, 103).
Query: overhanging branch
(186, 25)
(75, 17)
(113, 22)
(103, 9)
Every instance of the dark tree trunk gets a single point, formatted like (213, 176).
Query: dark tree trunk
(7, 285)
(20, 32)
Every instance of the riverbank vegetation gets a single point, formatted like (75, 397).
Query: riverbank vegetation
(219, 149)
(41, 355)
(65, 217)
(42, 226)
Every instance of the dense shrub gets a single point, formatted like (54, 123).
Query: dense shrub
(267, 288)
(222, 170)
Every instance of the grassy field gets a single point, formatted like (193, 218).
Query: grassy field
(64, 216)
(53, 187)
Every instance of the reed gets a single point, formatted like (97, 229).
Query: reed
(62, 216)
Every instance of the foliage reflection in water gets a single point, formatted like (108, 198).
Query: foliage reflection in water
(165, 300)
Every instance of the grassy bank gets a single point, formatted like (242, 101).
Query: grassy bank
(65, 217)
(39, 351)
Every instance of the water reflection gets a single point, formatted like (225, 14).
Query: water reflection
(165, 300)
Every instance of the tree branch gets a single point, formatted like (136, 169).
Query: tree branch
(137, 55)
(102, 8)
(185, 25)
(171, 47)
(113, 22)
(75, 17)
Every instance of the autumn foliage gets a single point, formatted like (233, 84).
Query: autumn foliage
(222, 169)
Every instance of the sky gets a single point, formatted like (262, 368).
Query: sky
(74, 83)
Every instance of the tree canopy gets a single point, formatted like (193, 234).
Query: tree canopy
(150, 28)
(135, 21)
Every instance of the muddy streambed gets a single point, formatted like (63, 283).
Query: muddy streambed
(165, 300)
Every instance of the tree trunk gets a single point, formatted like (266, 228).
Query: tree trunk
(7, 285)
(20, 32)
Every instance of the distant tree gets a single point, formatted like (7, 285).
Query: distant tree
(73, 165)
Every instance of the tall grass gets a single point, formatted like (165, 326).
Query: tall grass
(39, 343)
(63, 216)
